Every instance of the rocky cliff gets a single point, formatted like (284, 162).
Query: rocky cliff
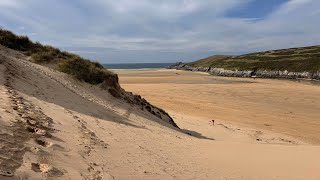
(260, 73)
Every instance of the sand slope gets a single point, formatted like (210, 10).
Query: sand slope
(53, 127)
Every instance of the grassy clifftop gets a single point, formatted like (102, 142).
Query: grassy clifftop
(78, 67)
(293, 59)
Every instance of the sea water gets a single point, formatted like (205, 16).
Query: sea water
(138, 66)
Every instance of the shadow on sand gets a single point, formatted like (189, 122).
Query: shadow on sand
(195, 134)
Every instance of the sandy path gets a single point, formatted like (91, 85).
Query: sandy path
(280, 106)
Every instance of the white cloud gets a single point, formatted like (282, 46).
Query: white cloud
(8, 3)
(164, 25)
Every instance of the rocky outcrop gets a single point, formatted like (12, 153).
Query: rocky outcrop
(287, 75)
(230, 73)
(260, 73)
(186, 67)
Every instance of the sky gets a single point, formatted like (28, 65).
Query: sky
(140, 31)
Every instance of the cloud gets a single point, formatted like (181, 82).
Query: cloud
(180, 28)
(8, 3)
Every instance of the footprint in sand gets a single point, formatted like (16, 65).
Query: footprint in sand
(6, 173)
(43, 142)
(39, 151)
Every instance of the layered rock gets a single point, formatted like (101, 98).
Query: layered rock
(261, 73)
(183, 66)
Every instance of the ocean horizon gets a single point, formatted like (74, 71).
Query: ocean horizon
(138, 65)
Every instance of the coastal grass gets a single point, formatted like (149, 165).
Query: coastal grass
(72, 64)
(293, 59)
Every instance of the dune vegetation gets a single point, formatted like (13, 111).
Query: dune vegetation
(72, 64)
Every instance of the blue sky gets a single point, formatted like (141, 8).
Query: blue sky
(256, 8)
(124, 31)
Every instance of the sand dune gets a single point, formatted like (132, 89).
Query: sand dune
(54, 127)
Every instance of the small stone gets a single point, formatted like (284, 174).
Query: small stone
(32, 122)
(40, 132)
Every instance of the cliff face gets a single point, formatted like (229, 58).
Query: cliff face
(260, 73)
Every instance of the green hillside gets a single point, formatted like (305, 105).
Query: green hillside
(293, 59)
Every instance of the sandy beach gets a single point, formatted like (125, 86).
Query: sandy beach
(160, 90)
(56, 127)
(281, 106)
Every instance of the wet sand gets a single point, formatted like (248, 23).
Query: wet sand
(287, 107)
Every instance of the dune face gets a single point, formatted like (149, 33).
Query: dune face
(79, 68)
(53, 126)
(36, 100)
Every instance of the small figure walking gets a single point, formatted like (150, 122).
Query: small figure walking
(212, 122)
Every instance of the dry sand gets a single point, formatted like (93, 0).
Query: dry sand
(53, 127)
